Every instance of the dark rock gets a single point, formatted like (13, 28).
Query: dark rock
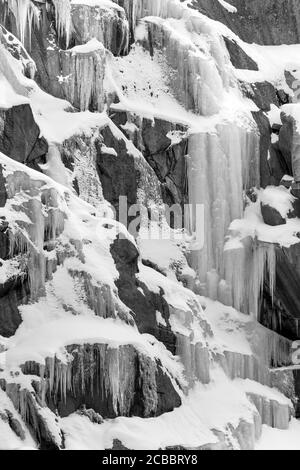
(30, 411)
(144, 304)
(285, 143)
(286, 181)
(283, 315)
(118, 175)
(271, 216)
(13, 293)
(91, 415)
(273, 165)
(296, 374)
(15, 425)
(3, 194)
(20, 139)
(238, 57)
(167, 160)
(262, 93)
(148, 390)
(296, 190)
(117, 445)
(270, 22)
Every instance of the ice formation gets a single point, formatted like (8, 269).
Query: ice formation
(26, 14)
(78, 342)
(63, 19)
(247, 284)
(83, 69)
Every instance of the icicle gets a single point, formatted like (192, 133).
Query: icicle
(25, 13)
(63, 19)
(246, 267)
(218, 172)
(114, 373)
(197, 82)
(84, 69)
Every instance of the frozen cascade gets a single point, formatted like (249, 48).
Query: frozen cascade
(196, 359)
(63, 19)
(269, 350)
(196, 76)
(99, 298)
(83, 70)
(220, 166)
(42, 222)
(109, 377)
(273, 414)
(246, 267)
(26, 14)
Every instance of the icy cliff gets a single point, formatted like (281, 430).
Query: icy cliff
(109, 336)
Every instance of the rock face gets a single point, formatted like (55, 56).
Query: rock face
(271, 216)
(20, 136)
(137, 296)
(249, 21)
(238, 56)
(108, 25)
(111, 382)
(283, 315)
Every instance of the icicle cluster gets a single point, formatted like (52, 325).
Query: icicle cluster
(218, 170)
(273, 414)
(84, 68)
(63, 19)
(195, 77)
(45, 224)
(104, 375)
(107, 25)
(26, 15)
(246, 268)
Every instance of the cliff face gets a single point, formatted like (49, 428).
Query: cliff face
(108, 316)
(248, 19)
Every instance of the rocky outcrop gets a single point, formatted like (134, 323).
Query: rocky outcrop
(238, 57)
(20, 136)
(136, 295)
(249, 19)
(282, 313)
(107, 25)
(112, 382)
(164, 145)
(273, 165)
(271, 215)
